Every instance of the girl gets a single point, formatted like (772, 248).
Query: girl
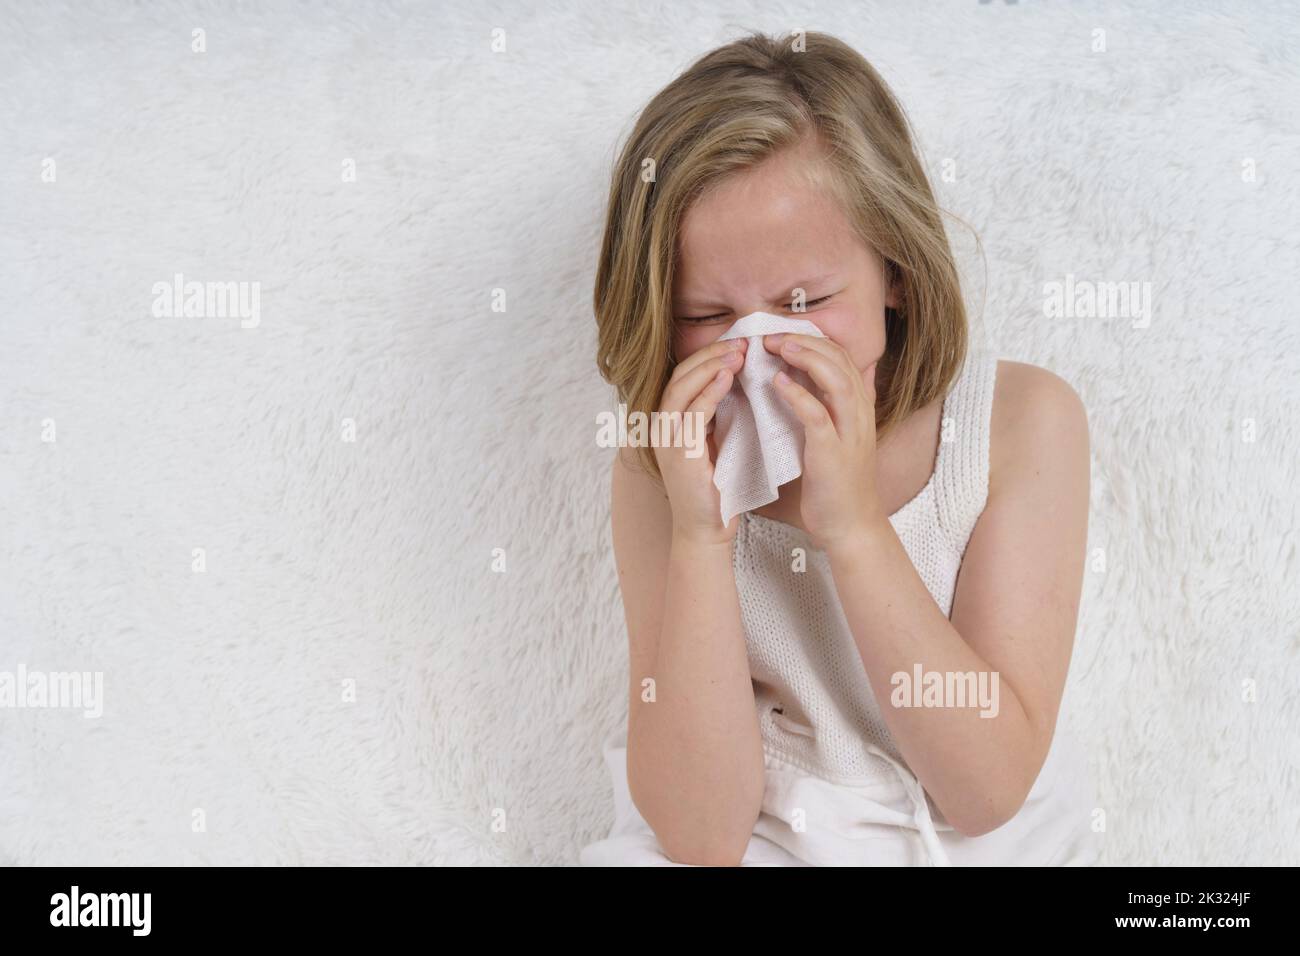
(794, 673)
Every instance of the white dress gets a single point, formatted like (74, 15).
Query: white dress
(838, 791)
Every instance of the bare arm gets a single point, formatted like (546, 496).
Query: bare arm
(695, 759)
(1014, 611)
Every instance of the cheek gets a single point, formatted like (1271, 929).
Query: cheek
(863, 339)
(689, 339)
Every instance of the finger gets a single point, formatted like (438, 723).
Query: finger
(683, 389)
(817, 424)
(831, 349)
(705, 406)
(719, 348)
(838, 388)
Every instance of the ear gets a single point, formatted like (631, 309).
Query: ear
(893, 287)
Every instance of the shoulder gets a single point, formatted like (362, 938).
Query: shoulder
(1026, 393)
(629, 479)
(638, 503)
(641, 529)
(1039, 426)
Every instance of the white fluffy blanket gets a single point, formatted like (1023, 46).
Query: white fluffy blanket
(348, 679)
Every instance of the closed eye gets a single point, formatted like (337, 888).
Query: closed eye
(813, 302)
(723, 315)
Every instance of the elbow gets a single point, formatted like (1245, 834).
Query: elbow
(713, 852)
(987, 814)
(978, 826)
(713, 837)
(701, 827)
(710, 838)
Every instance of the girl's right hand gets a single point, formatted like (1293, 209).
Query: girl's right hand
(697, 386)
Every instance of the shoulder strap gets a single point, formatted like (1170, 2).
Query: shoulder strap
(962, 469)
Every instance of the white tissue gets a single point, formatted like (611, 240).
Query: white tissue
(759, 437)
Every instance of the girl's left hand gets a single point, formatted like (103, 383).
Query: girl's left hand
(838, 498)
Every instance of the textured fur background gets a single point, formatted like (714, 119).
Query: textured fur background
(481, 697)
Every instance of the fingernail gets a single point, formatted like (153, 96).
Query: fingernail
(782, 378)
(792, 346)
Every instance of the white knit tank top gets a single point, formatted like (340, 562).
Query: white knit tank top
(816, 708)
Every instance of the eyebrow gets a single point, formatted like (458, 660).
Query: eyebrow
(782, 294)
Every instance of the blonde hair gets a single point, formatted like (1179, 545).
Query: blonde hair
(731, 109)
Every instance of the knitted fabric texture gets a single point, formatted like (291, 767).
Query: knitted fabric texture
(815, 704)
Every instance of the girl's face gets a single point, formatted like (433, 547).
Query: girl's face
(763, 233)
